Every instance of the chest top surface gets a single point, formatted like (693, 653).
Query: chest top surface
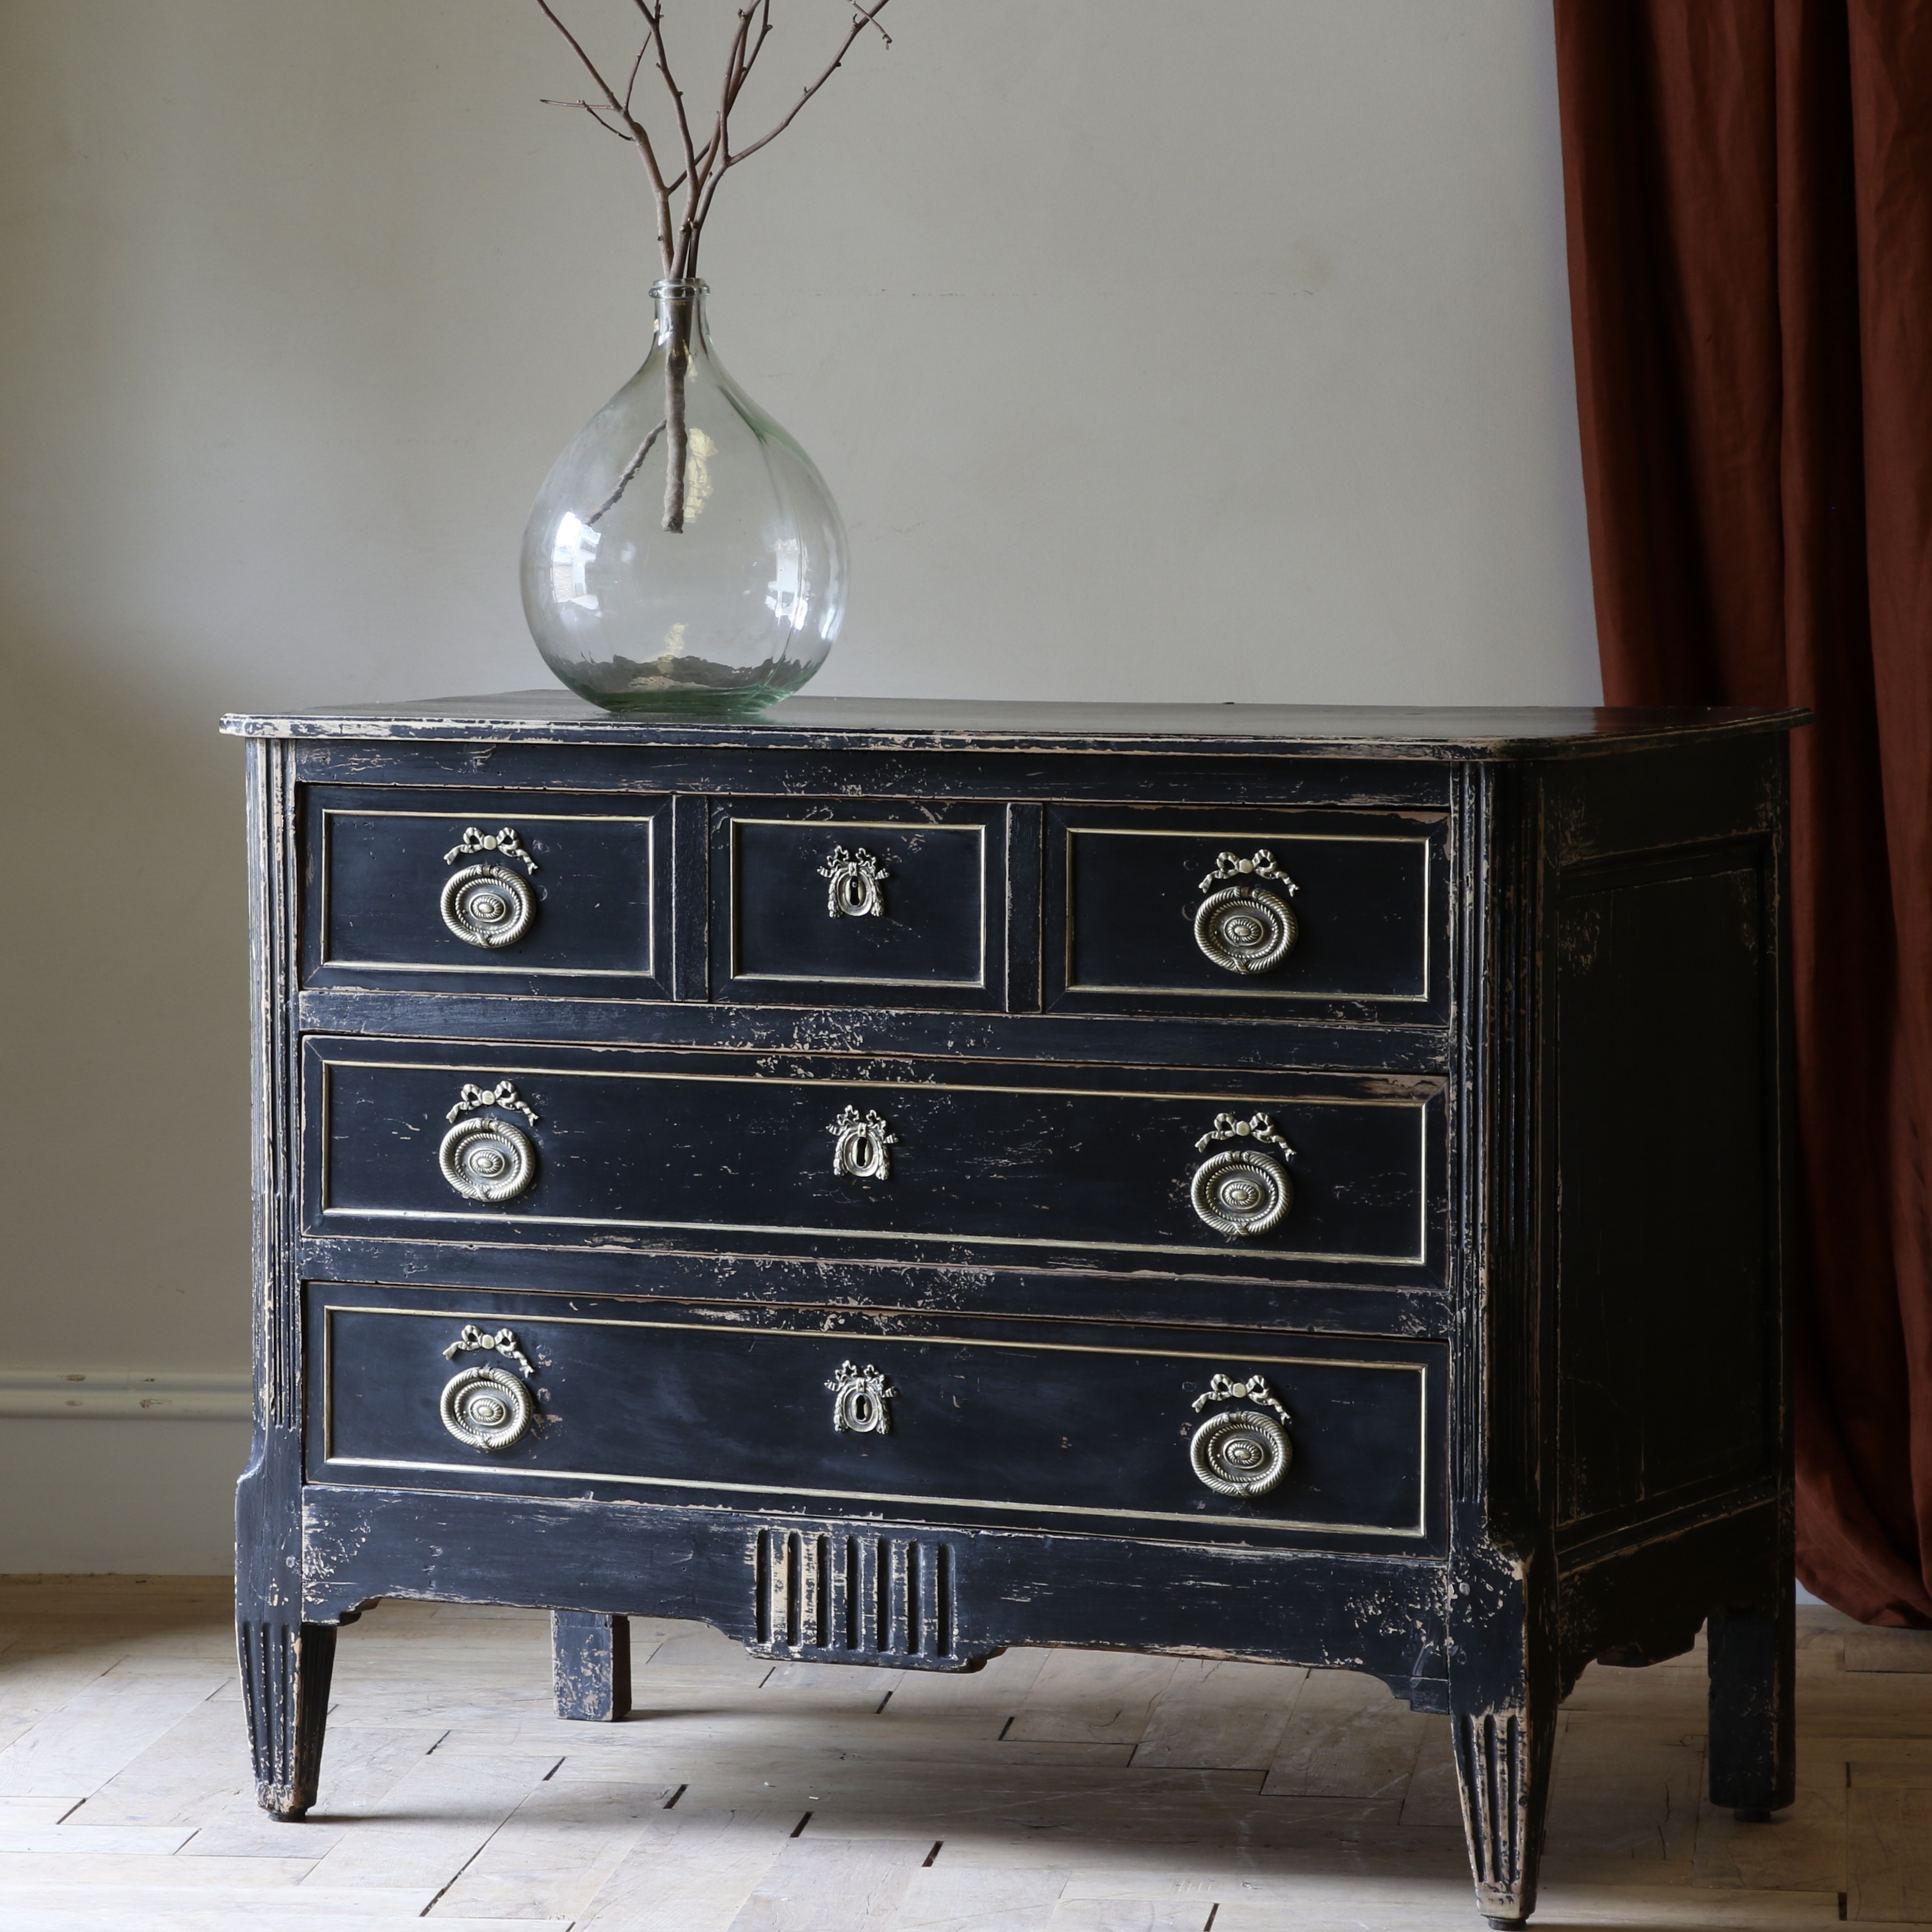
(1452, 732)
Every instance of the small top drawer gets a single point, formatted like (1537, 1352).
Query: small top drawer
(1277, 912)
(884, 904)
(489, 892)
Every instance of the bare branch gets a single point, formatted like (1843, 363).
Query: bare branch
(762, 8)
(546, 102)
(677, 261)
(624, 482)
(738, 65)
(590, 66)
(660, 194)
(735, 87)
(654, 38)
(862, 19)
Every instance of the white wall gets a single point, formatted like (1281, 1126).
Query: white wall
(1216, 352)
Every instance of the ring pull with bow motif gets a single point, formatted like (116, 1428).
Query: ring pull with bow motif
(487, 1408)
(485, 1158)
(1242, 1190)
(1240, 1452)
(488, 905)
(1241, 928)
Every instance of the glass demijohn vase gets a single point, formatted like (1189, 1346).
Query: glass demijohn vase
(684, 557)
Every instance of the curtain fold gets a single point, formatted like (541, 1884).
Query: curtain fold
(1748, 189)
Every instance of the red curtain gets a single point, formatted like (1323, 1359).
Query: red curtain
(1748, 185)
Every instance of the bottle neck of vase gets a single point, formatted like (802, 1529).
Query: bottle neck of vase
(680, 321)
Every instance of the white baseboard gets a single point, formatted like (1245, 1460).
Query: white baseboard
(123, 1395)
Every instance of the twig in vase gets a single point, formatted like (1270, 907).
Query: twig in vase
(636, 464)
(704, 167)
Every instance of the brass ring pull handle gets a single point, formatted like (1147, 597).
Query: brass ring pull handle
(488, 905)
(1240, 1452)
(852, 891)
(487, 1408)
(1241, 929)
(485, 906)
(485, 1158)
(1242, 1190)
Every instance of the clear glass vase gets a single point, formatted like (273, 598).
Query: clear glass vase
(684, 557)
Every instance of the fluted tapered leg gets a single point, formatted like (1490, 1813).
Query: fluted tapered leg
(286, 1669)
(1503, 1696)
(1502, 1765)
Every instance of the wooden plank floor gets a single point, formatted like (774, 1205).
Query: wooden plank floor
(1054, 1792)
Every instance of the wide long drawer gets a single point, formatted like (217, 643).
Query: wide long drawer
(443, 1141)
(1147, 1432)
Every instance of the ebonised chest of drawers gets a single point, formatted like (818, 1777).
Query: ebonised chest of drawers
(898, 1181)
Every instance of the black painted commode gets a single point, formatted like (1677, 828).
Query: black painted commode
(1292, 1184)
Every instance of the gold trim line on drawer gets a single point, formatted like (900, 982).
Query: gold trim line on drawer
(471, 1220)
(1071, 984)
(977, 827)
(1419, 1369)
(916, 1499)
(519, 972)
(648, 821)
(1418, 1108)
(852, 979)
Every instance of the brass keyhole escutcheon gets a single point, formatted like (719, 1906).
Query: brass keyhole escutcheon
(861, 1400)
(862, 1145)
(853, 881)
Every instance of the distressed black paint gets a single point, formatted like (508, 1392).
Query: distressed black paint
(590, 1666)
(1581, 986)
